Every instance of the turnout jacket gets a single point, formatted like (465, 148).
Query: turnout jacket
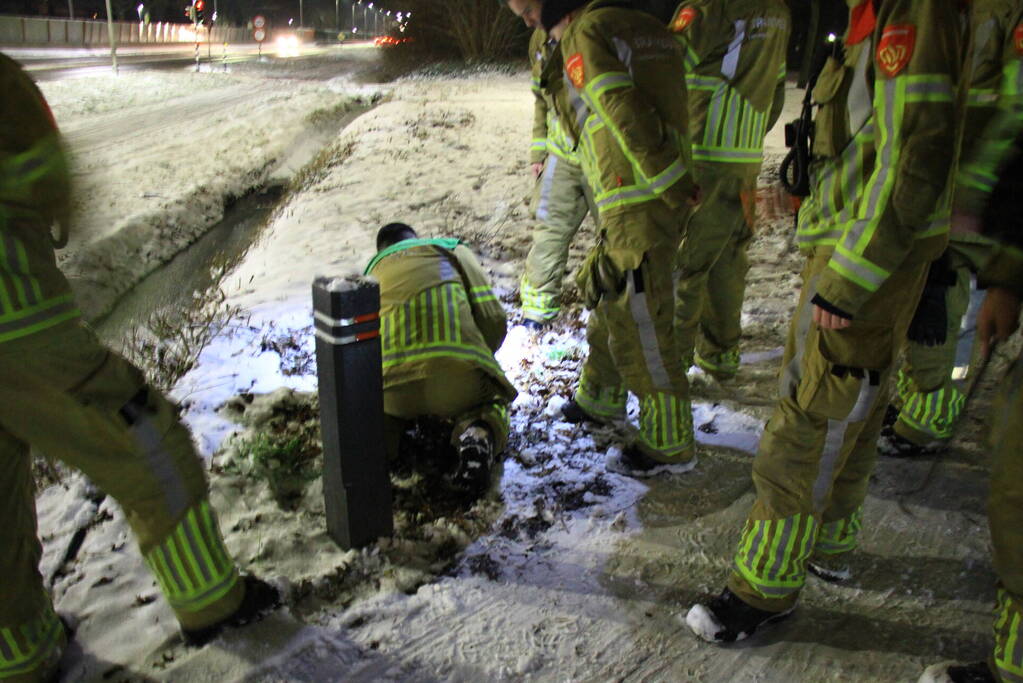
(437, 311)
(995, 113)
(628, 114)
(734, 54)
(35, 194)
(549, 136)
(887, 133)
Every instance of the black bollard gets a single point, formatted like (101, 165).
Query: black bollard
(356, 487)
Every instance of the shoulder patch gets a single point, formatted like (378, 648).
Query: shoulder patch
(895, 48)
(1017, 40)
(685, 17)
(576, 72)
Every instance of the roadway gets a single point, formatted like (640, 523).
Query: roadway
(52, 63)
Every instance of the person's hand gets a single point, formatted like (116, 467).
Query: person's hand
(965, 224)
(998, 318)
(537, 167)
(829, 321)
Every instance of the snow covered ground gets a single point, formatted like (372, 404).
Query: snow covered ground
(567, 572)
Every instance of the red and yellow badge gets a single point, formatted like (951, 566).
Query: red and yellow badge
(684, 18)
(895, 48)
(1017, 39)
(575, 71)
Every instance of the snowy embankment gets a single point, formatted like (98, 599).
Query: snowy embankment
(568, 572)
(156, 158)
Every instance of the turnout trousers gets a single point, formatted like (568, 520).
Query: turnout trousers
(561, 201)
(819, 447)
(459, 393)
(64, 393)
(929, 402)
(712, 267)
(633, 347)
(1005, 517)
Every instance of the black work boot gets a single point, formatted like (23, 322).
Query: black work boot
(728, 618)
(954, 672)
(260, 599)
(574, 413)
(475, 459)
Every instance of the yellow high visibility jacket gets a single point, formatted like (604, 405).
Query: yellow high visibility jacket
(627, 109)
(437, 311)
(734, 52)
(549, 136)
(35, 194)
(886, 138)
(995, 114)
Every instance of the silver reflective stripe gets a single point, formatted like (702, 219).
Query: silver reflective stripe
(171, 566)
(981, 38)
(717, 104)
(36, 318)
(451, 304)
(196, 548)
(779, 559)
(792, 373)
(918, 89)
(336, 341)
(859, 104)
(624, 51)
(447, 271)
(879, 182)
(429, 318)
(730, 64)
(546, 186)
(463, 350)
(647, 333)
(161, 463)
(407, 310)
(582, 112)
(754, 547)
(336, 322)
(864, 273)
(835, 438)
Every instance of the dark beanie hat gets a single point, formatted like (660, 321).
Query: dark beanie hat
(555, 10)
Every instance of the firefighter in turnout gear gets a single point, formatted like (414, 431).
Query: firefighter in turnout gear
(927, 400)
(997, 320)
(627, 108)
(886, 134)
(561, 198)
(65, 394)
(734, 56)
(440, 326)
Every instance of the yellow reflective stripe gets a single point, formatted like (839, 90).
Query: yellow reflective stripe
(772, 554)
(441, 350)
(33, 319)
(192, 565)
(25, 647)
(858, 269)
(981, 171)
(482, 294)
(929, 88)
(839, 536)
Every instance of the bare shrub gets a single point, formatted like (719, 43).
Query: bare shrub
(467, 30)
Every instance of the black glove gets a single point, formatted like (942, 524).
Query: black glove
(930, 322)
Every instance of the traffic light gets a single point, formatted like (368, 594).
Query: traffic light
(200, 7)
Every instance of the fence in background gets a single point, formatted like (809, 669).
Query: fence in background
(86, 32)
